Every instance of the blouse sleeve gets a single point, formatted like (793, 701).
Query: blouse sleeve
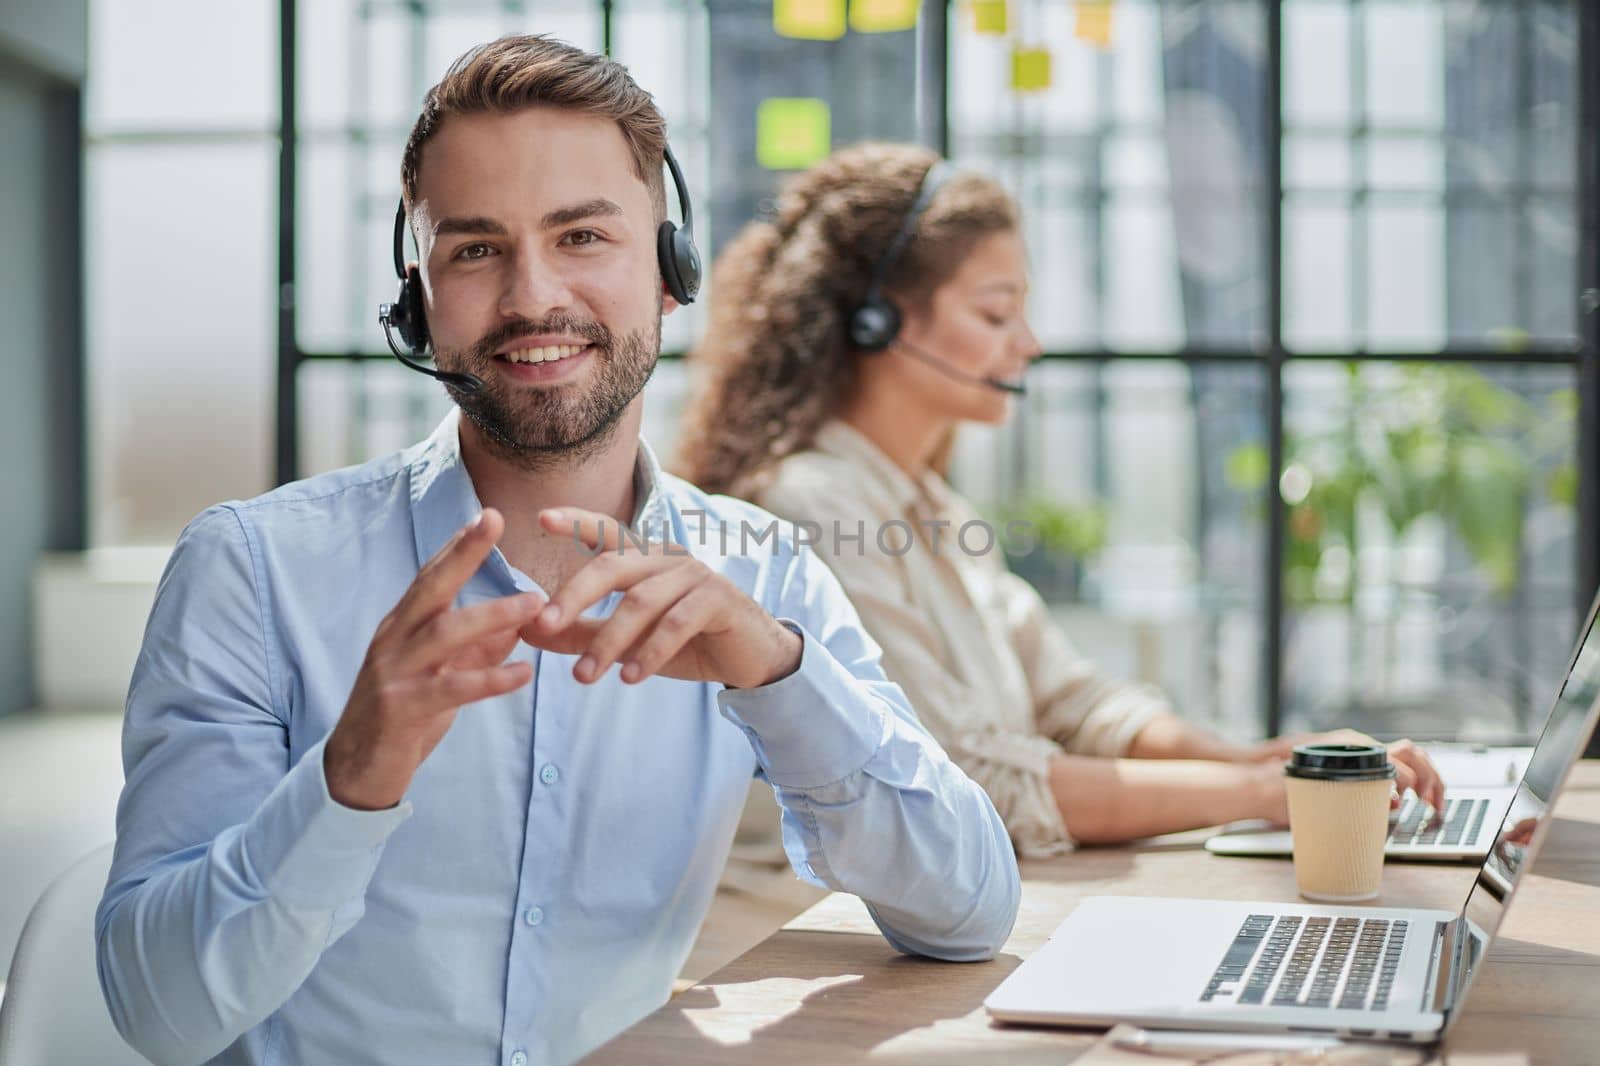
(1012, 767)
(1074, 705)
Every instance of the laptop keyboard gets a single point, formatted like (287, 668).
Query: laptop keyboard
(1339, 963)
(1461, 821)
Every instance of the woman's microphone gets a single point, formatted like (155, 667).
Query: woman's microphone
(1016, 388)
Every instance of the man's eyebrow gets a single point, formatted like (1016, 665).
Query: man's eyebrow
(472, 225)
(1008, 286)
(588, 209)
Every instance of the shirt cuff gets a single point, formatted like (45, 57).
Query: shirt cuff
(813, 727)
(310, 850)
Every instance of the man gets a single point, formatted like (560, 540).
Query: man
(387, 800)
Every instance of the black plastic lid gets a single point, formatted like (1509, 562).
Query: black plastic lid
(1340, 762)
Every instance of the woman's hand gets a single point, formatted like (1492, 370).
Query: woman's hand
(1412, 768)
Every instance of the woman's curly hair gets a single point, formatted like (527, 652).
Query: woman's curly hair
(776, 361)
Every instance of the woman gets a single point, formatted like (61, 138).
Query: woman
(813, 404)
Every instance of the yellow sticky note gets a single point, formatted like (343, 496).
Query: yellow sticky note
(792, 132)
(883, 16)
(812, 20)
(989, 16)
(1094, 22)
(1030, 69)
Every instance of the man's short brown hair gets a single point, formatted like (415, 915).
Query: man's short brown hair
(517, 72)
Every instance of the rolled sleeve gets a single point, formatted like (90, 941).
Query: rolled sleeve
(1015, 771)
(1074, 704)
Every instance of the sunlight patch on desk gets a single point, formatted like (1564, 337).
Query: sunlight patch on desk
(741, 1009)
(945, 1036)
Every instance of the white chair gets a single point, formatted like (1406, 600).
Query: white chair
(53, 1013)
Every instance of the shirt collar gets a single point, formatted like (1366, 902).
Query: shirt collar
(840, 439)
(443, 498)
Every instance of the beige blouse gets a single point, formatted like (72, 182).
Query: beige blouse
(992, 677)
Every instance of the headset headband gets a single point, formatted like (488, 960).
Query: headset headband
(934, 179)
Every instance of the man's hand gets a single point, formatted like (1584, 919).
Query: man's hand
(1412, 767)
(677, 618)
(425, 661)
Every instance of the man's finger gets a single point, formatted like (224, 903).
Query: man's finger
(443, 692)
(682, 623)
(492, 637)
(571, 639)
(597, 579)
(641, 608)
(442, 577)
(588, 528)
(490, 651)
(449, 632)
(598, 532)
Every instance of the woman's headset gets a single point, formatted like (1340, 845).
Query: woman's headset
(875, 322)
(675, 253)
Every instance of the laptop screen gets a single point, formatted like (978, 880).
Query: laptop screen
(1566, 732)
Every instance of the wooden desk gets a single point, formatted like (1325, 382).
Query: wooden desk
(828, 989)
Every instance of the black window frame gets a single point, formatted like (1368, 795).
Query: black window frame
(1272, 354)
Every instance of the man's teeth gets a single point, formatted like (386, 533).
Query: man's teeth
(544, 355)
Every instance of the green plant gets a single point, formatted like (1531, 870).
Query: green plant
(1434, 440)
(1053, 542)
(1074, 530)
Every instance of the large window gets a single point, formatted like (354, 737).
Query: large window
(1204, 263)
(1306, 270)
(179, 179)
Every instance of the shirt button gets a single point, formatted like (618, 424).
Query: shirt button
(549, 774)
(533, 915)
(519, 1059)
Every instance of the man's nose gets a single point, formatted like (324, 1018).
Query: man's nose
(534, 287)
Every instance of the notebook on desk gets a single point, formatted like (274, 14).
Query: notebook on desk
(1374, 972)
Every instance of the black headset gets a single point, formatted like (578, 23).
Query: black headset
(875, 322)
(675, 253)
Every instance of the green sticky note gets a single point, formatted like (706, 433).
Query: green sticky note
(811, 20)
(883, 16)
(989, 16)
(1030, 69)
(792, 132)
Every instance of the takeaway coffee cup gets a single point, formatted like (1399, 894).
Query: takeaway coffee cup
(1339, 819)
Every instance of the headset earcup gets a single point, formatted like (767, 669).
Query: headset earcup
(679, 260)
(400, 313)
(874, 325)
(413, 323)
(687, 257)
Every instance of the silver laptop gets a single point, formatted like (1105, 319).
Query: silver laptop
(1462, 831)
(1373, 972)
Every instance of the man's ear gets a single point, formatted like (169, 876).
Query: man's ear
(669, 303)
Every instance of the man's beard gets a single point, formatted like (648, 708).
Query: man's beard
(535, 428)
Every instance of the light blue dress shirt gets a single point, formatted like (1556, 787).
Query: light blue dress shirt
(544, 879)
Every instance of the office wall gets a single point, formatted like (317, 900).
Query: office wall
(41, 405)
(47, 36)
